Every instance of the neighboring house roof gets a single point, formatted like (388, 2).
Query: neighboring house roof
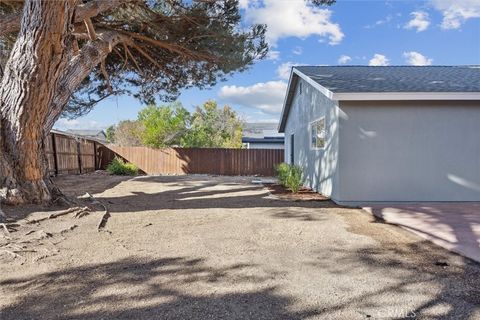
(260, 130)
(87, 132)
(73, 135)
(279, 140)
(70, 133)
(99, 134)
(357, 83)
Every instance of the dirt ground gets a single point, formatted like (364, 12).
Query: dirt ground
(203, 247)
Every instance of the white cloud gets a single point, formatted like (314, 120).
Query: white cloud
(378, 60)
(456, 12)
(283, 70)
(265, 96)
(380, 22)
(243, 4)
(255, 118)
(344, 59)
(273, 55)
(292, 18)
(417, 59)
(297, 50)
(420, 21)
(65, 124)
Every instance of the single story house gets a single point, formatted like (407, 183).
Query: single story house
(263, 143)
(262, 135)
(382, 134)
(88, 133)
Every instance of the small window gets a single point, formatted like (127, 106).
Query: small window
(300, 88)
(318, 134)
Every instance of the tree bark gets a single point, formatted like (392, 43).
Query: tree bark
(79, 67)
(28, 88)
(11, 23)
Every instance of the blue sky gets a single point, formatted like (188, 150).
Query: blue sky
(433, 32)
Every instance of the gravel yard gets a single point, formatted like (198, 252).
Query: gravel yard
(204, 247)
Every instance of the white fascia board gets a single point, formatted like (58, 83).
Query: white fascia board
(285, 101)
(368, 96)
(365, 96)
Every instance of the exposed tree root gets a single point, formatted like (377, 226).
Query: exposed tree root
(27, 244)
(61, 213)
(73, 227)
(59, 198)
(3, 216)
(5, 229)
(81, 213)
(12, 253)
(104, 220)
(106, 215)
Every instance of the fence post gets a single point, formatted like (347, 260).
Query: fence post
(79, 157)
(95, 155)
(54, 149)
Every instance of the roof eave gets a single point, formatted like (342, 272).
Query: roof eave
(294, 75)
(405, 96)
(366, 96)
(286, 106)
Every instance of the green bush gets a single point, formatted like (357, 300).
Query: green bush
(294, 179)
(290, 176)
(282, 172)
(119, 167)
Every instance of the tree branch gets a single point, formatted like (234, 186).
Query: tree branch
(105, 75)
(146, 55)
(79, 67)
(11, 23)
(129, 53)
(75, 47)
(170, 47)
(90, 29)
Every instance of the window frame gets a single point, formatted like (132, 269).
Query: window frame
(310, 129)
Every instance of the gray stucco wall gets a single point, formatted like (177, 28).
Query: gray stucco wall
(260, 145)
(319, 166)
(409, 151)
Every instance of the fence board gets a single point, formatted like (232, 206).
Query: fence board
(202, 160)
(73, 155)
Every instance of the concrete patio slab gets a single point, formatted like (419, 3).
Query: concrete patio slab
(454, 226)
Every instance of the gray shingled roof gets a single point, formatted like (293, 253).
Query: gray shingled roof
(341, 79)
(86, 132)
(387, 83)
(260, 129)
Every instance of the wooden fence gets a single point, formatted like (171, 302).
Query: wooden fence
(74, 155)
(202, 160)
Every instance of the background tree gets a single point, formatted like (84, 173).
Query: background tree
(213, 127)
(163, 126)
(128, 133)
(110, 134)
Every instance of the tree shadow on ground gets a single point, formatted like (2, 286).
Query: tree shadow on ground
(169, 288)
(182, 192)
(203, 194)
(408, 267)
(72, 186)
(461, 220)
(396, 277)
(455, 289)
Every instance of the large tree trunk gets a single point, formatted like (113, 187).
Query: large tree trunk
(28, 88)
